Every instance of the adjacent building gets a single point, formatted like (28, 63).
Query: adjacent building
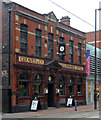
(90, 38)
(90, 80)
(48, 59)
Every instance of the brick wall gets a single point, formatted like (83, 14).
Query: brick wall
(90, 38)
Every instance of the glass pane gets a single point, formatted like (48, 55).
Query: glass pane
(38, 89)
(23, 89)
(62, 89)
(50, 37)
(50, 53)
(38, 41)
(61, 39)
(23, 48)
(23, 27)
(50, 44)
(23, 37)
(70, 50)
(79, 89)
(38, 78)
(38, 51)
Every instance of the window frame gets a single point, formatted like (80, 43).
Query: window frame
(63, 84)
(39, 82)
(38, 37)
(79, 53)
(25, 80)
(81, 85)
(71, 51)
(51, 49)
(71, 84)
(24, 42)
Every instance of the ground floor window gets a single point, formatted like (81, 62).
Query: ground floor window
(24, 85)
(71, 86)
(79, 86)
(38, 85)
(61, 86)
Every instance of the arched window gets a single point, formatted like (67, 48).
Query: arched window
(61, 86)
(24, 85)
(79, 86)
(71, 86)
(38, 86)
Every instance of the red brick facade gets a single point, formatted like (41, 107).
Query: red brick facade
(90, 38)
(46, 67)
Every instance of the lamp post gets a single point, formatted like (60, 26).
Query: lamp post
(9, 39)
(95, 95)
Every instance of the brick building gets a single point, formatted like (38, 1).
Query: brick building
(38, 66)
(90, 38)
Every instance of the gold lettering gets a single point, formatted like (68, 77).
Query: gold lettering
(30, 60)
(68, 66)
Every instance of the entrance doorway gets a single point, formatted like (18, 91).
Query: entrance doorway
(51, 95)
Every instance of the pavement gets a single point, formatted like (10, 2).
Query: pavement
(85, 111)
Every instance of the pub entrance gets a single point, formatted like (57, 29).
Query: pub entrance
(51, 95)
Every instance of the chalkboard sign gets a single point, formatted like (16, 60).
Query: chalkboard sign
(69, 101)
(34, 104)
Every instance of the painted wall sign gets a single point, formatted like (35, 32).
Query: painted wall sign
(74, 67)
(30, 60)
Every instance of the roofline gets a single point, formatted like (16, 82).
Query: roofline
(72, 27)
(93, 31)
(14, 3)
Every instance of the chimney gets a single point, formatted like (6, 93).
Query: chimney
(65, 20)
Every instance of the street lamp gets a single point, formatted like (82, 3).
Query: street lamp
(95, 95)
(9, 39)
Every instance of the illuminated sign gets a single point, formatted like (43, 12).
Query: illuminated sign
(30, 60)
(68, 66)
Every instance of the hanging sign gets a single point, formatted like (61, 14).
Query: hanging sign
(34, 104)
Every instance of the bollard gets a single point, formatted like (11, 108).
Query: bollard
(75, 105)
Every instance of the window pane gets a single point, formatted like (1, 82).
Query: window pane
(71, 51)
(61, 89)
(61, 86)
(50, 45)
(38, 42)
(23, 39)
(61, 39)
(38, 86)
(23, 89)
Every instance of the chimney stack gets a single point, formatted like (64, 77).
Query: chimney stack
(65, 20)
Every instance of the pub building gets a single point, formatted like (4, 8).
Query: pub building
(48, 59)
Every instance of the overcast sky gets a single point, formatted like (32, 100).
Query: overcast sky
(84, 9)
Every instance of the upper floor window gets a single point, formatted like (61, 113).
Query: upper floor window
(71, 51)
(61, 39)
(23, 38)
(50, 45)
(79, 53)
(38, 42)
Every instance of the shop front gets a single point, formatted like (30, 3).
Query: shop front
(52, 82)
